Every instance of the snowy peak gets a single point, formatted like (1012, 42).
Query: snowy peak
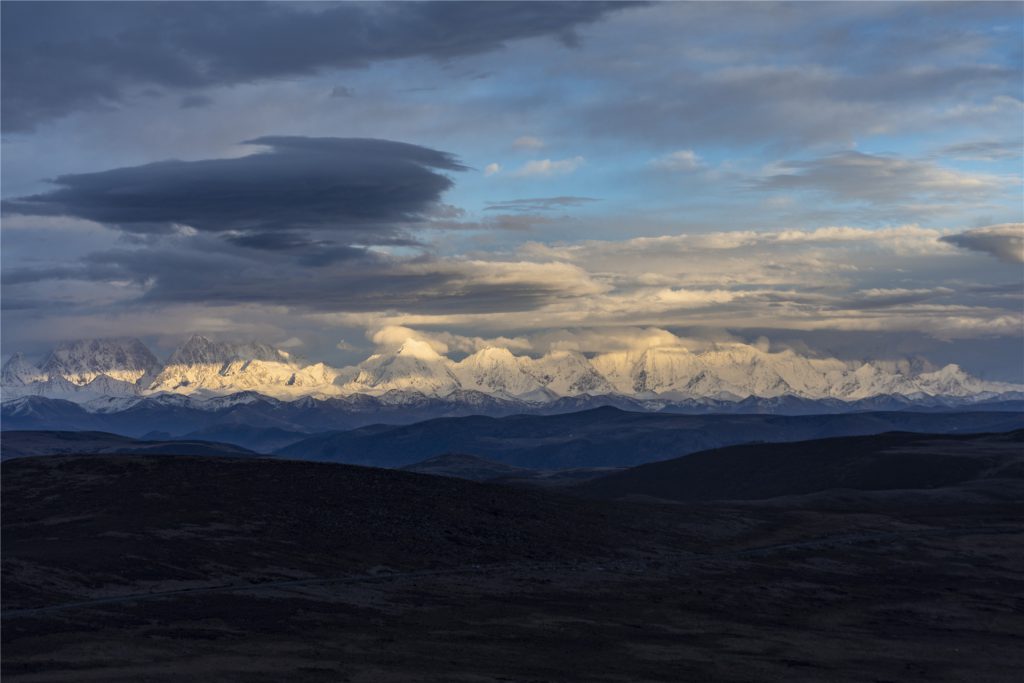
(414, 348)
(414, 366)
(56, 386)
(199, 350)
(17, 371)
(81, 361)
(124, 369)
(204, 366)
(569, 373)
(497, 371)
(736, 371)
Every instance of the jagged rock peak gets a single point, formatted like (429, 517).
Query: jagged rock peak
(18, 371)
(81, 361)
(200, 350)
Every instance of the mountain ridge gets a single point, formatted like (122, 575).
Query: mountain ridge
(85, 370)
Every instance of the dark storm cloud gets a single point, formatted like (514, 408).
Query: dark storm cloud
(539, 203)
(308, 251)
(358, 281)
(59, 57)
(360, 188)
(273, 241)
(289, 227)
(1005, 242)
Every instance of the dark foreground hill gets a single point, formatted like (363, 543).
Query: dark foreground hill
(471, 467)
(18, 444)
(128, 568)
(879, 462)
(192, 518)
(609, 437)
(464, 466)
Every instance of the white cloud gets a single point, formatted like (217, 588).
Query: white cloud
(492, 169)
(391, 337)
(695, 298)
(547, 167)
(681, 161)
(603, 339)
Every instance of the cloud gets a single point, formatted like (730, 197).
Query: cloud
(682, 161)
(391, 337)
(547, 167)
(895, 280)
(1005, 242)
(59, 58)
(492, 169)
(361, 188)
(528, 142)
(204, 270)
(604, 339)
(985, 150)
(694, 298)
(539, 203)
(195, 101)
(711, 74)
(855, 176)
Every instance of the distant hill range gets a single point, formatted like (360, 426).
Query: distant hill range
(754, 471)
(893, 461)
(608, 437)
(261, 423)
(474, 468)
(546, 449)
(19, 444)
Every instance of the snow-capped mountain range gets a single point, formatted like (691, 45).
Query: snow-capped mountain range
(111, 373)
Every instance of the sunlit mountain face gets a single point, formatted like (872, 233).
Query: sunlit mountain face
(93, 371)
(532, 201)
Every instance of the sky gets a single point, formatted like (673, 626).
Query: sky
(843, 179)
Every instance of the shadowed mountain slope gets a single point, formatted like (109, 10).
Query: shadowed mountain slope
(17, 444)
(880, 462)
(464, 466)
(188, 519)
